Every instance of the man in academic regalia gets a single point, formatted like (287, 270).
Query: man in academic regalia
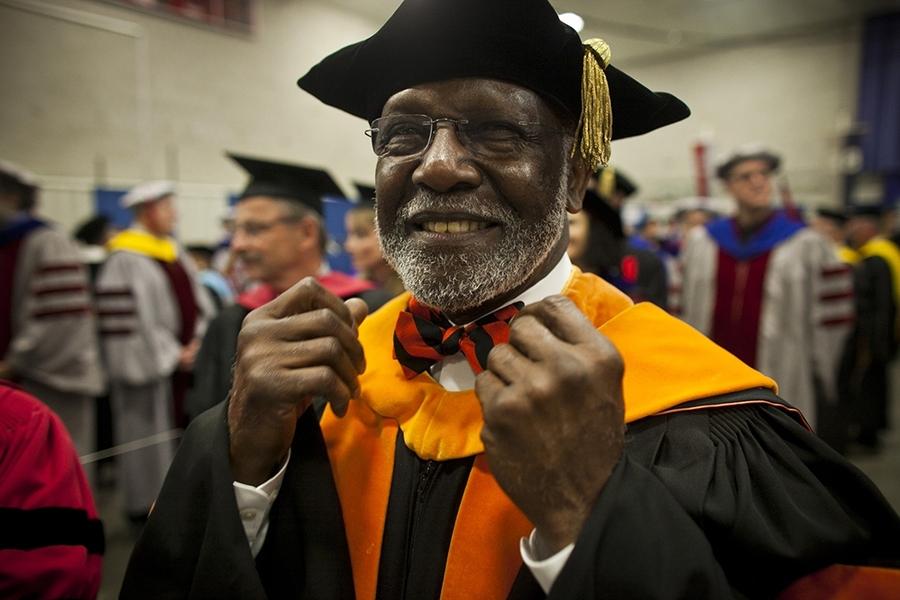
(279, 237)
(48, 339)
(767, 288)
(424, 480)
(152, 314)
(873, 342)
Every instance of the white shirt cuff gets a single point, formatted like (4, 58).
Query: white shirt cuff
(545, 570)
(254, 503)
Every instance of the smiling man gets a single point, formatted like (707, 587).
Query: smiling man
(770, 290)
(280, 238)
(464, 457)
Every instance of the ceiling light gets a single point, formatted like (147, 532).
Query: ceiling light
(572, 20)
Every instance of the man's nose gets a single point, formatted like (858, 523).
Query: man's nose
(239, 240)
(446, 164)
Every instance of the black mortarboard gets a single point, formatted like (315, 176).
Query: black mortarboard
(306, 185)
(611, 179)
(868, 210)
(598, 209)
(833, 214)
(366, 194)
(520, 41)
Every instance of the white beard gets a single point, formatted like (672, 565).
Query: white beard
(460, 281)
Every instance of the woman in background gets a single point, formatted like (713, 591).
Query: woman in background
(365, 252)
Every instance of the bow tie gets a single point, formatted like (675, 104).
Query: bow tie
(424, 336)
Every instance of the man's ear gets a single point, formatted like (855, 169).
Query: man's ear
(309, 227)
(579, 178)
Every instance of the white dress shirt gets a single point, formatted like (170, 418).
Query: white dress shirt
(455, 375)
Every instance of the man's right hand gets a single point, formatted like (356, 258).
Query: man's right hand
(301, 345)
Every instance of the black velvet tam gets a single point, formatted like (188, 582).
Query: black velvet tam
(305, 185)
(519, 41)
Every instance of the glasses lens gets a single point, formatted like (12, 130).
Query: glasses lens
(400, 135)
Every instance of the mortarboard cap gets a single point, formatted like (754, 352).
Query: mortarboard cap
(868, 210)
(147, 192)
(613, 180)
(598, 209)
(749, 152)
(519, 41)
(305, 185)
(366, 194)
(833, 214)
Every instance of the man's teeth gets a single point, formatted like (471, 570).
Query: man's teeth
(453, 226)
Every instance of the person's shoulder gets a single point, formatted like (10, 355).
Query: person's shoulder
(229, 317)
(20, 412)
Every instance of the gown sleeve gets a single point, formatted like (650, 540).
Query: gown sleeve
(194, 544)
(55, 339)
(139, 348)
(726, 502)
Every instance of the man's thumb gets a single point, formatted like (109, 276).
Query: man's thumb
(358, 310)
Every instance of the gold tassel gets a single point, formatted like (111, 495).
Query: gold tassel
(595, 123)
(607, 183)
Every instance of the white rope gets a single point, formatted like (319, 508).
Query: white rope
(152, 440)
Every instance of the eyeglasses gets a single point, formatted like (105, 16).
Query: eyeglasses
(257, 228)
(405, 136)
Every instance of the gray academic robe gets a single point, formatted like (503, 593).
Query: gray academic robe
(54, 350)
(140, 323)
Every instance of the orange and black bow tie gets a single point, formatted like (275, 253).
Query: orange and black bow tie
(424, 336)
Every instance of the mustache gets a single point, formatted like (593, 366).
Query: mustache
(464, 202)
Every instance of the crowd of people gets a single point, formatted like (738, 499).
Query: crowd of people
(560, 404)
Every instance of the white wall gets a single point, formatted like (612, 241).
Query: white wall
(162, 99)
(71, 104)
(796, 96)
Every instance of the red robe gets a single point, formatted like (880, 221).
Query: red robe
(51, 540)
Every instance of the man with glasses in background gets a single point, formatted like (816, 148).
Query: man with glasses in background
(770, 290)
(279, 237)
(475, 443)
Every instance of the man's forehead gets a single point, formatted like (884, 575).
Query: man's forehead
(254, 206)
(750, 164)
(466, 95)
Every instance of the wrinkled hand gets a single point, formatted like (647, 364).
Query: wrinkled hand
(553, 416)
(301, 345)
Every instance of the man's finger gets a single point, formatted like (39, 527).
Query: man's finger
(304, 296)
(320, 323)
(359, 310)
(533, 339)
(320, 381)
(324, 351)
(562, 318)
(488, 388)
(507, 363)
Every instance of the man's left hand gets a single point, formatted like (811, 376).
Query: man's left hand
(553, 416)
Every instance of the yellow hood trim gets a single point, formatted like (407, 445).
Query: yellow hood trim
(141, 242)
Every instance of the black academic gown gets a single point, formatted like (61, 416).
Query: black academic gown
(869, 349)
(717, 503)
